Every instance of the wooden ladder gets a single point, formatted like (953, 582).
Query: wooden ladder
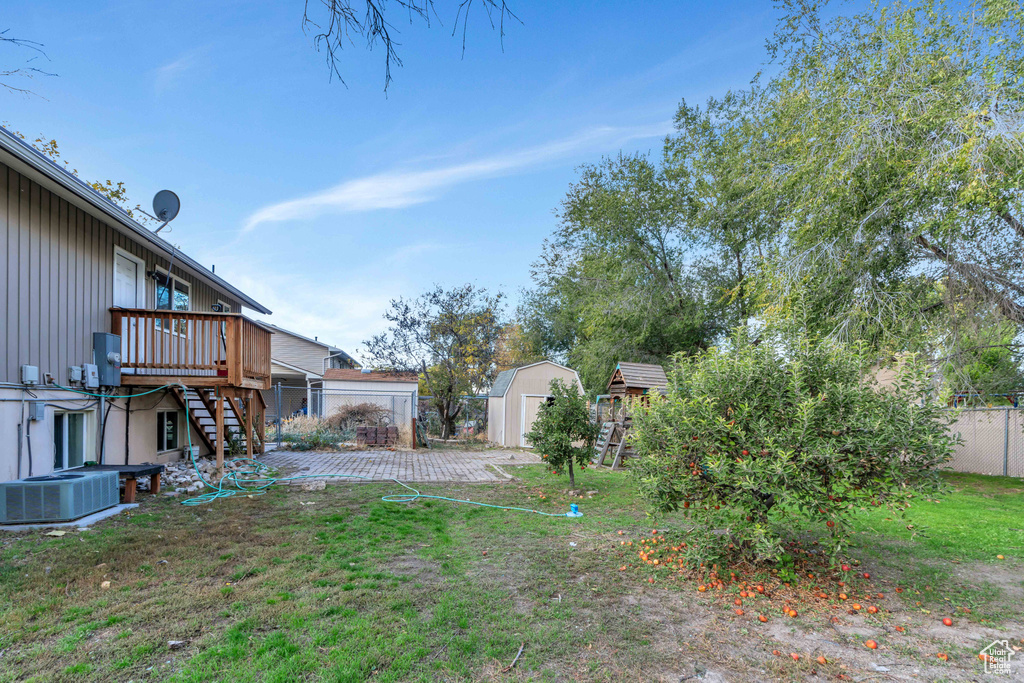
(602, 443)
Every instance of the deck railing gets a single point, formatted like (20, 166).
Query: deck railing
(202, 348)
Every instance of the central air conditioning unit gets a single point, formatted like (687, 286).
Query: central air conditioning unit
(58, 497)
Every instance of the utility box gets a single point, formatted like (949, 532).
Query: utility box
(106, 349)
(91, 376)
(30, 374)
(37, 410)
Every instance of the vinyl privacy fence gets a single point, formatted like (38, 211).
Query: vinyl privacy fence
(992, 441)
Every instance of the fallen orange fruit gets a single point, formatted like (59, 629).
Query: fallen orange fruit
(871, 644)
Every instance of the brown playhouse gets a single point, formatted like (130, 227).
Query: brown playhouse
(630, 380)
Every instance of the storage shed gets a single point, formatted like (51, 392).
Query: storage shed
(516, 397)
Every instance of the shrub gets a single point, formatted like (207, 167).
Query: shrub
(563, 432)
(750, 438)
(306, 433)
(347, 418)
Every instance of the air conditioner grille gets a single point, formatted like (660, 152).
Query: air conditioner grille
(60, 497)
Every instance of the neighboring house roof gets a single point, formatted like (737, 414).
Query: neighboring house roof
(38, 164)
(504, 379)
(641, 375)
(293, 368)
(349, 375)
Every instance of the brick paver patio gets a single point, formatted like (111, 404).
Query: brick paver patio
(411, 466)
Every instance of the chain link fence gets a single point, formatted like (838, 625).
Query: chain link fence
(470, 424)
(312, 418)
(993, 441)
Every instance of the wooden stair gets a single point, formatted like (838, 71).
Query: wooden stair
(202, 416)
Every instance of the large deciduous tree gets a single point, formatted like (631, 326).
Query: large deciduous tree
(449, 337)
(869, 190)
(336, 23)
(898, 146)
(14, 73)
(619, 280)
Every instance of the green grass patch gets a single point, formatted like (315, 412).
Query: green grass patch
(352, 588)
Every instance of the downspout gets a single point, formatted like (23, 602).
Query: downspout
(28, 439)
(102, 427)
(21, 430)
(127, 419)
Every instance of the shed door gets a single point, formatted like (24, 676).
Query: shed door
(530, 407)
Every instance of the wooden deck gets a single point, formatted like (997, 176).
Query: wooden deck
(225, 354)
(195, 349)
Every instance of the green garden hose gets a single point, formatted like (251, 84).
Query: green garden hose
(255, 485)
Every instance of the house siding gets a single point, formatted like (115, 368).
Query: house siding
(298, 352)
(57, 279)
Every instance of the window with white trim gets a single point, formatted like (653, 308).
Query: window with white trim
(167, 422)
(172, 294)
(70, 442)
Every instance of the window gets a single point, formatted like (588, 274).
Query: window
(69, 440)
(167, 430)
(172, 294)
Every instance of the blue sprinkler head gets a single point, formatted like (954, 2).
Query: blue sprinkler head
(574, 511)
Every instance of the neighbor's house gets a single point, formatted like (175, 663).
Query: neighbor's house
(298, 364)
(76, 264)
(396, 392)
(516, 397)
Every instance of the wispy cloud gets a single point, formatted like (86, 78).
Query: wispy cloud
(166, 76)
(401, 188)
(335, 306)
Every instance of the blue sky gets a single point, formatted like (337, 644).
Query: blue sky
(325, 201)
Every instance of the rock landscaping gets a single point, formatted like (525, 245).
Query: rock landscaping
(181, 477)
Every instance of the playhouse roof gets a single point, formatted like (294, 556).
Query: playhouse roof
(640, 376)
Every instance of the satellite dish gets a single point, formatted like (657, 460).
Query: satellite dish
(166, 205)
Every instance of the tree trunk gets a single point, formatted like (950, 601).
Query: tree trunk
(447, 427)
(572, 478)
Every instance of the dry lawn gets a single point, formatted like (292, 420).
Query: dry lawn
(336, 585)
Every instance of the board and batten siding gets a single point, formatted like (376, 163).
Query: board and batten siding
(298, 352)
(57, 279)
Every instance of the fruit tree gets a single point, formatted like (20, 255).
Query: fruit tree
(752, 437)
(563, 432)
